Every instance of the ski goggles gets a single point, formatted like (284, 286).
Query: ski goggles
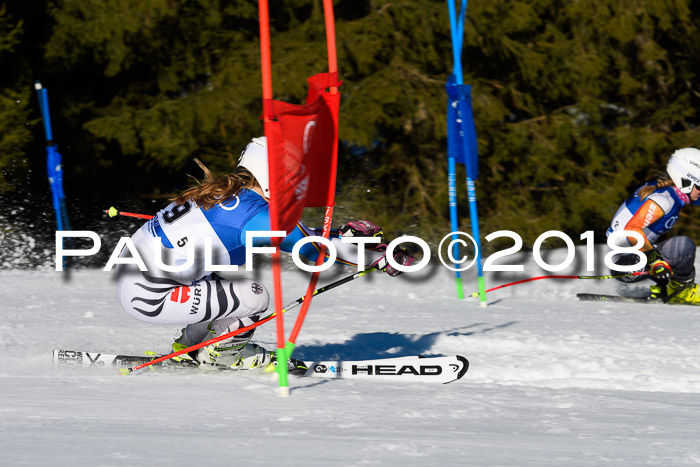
(688, 185)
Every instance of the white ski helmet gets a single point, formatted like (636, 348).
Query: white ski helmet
(254, 158)
(684, 169)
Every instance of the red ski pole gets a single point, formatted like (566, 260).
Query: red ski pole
(113, 213)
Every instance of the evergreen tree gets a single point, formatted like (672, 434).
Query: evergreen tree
(14, 113)
(575, 102)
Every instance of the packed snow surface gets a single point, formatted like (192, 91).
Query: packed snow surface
(553, 381)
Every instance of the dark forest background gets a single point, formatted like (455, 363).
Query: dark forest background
(575, 102)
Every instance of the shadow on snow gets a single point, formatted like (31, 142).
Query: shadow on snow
(387, 345)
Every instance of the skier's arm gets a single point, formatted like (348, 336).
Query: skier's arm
(347, 252)
(362, 230)
(646, 215)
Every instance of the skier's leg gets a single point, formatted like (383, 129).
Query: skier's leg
(159, 300)
(679, 252)
(209, 308)
(236, 351)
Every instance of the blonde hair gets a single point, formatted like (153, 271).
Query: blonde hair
(661, 182)
(215, 189)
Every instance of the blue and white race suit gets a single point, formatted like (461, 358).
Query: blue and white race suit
(653, 217)
(195, 295)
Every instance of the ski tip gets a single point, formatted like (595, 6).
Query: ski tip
(463, 371)
(465, 366)
(593, 297)
(125, 371)
(587, 297)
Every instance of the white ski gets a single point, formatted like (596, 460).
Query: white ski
(424, 369)
(414, 368)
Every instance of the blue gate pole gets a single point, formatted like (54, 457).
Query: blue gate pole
(457, 32)
(452, 187)
(54, 165)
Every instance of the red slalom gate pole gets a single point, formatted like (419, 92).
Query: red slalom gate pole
(332, 68)
(268, 105)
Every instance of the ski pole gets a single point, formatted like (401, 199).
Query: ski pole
(610, 276)
(288, 307)
(113, 213)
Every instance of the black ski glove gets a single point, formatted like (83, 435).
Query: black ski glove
(659, 269)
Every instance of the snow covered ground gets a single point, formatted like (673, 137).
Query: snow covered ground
(553, 381)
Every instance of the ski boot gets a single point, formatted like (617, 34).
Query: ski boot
(247, 357)
(185, 359)
(676, 292)
(683, 292)
(254, 356)
(294, 366)
(657, 292)
(182, 343)
(243, 356)
(228, 353)
(237, 354)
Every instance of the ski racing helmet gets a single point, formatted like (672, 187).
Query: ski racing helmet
(684, 169)
(254, 158)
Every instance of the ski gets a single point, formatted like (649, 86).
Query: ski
(80, 359)
(594, 297)
(415, 368)
(425, 369)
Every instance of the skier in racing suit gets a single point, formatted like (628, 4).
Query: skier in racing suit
(215, 217)
(652, 211)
